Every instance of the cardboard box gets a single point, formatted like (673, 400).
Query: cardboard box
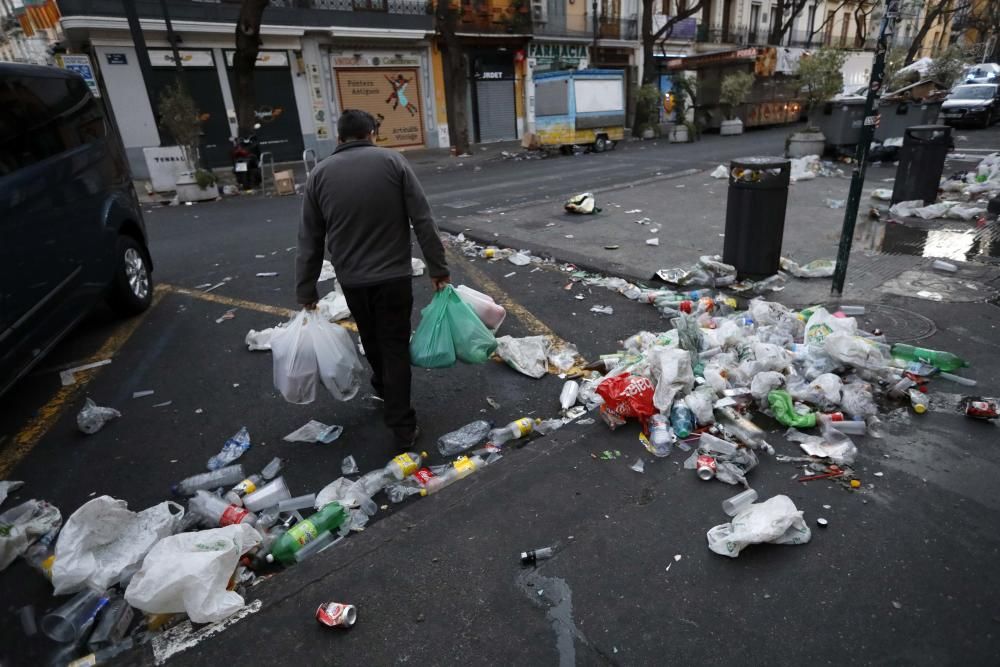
(284, 182)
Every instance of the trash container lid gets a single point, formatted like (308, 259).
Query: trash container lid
(760, 162)
(931, 134)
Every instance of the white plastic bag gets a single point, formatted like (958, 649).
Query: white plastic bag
(822, 324)
(23, 524)
(671, 368)
(775, 520)
(528, 355)
(827, 388)
(333, 306)
(764, 383)
(309, 349)
(340, 367)
(189, 573)
(103, 542)
(296, 371)
(832, 445)
(855, 351)
(348, 493)
(93, 417)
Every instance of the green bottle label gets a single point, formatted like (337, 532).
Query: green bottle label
(303, 532)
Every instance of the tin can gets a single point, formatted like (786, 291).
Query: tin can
(337, 614)
(981, 408)
(706, 467)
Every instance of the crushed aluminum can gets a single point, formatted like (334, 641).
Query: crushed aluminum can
(337, 614)
(706, 466)
(982, 408)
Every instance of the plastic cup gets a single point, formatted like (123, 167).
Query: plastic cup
(297, 503)
(67, 623)
(736, 504)
(314, 547)
(850, 427)
(268, 495)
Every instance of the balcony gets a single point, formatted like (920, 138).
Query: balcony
(734, 34)
(617, 28)
(582, 26)
(482, 16)
(389, 14)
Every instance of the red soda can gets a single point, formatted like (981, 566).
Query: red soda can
(982, 408)
(337, 614)
(835, 416)
(706, 467)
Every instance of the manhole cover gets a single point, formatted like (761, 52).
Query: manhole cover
(936, 287)
(898, 324)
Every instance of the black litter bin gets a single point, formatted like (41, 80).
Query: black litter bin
(921, 162)
(755, 214)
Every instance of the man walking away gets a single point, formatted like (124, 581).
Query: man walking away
(359, 204)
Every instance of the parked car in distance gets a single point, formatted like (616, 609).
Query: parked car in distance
(71, 229)
(977, 103)
(983, 73)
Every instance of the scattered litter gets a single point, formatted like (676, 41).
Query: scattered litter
(315, 431)
(603, 310)
(214, 287)
(465, 438)
(68, 376)
(653, 241)
(349, 466)
(228, 315)
(582, 203)
(512, 273)
(161, 405)
(722, 171)
(337, 614)
(492, 403)
(92, 417)
(897, 605)
(267, 274)
(818, 268)
(835, 203)
(532, 557)
(638, 466)
(204, 285)
(776, 521)
(231, 450)
(941, 265)
(143, 393)
(24, 524)
(611, 247)
(519, 259)
(822, 523)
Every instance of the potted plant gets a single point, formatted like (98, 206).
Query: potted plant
(735, 91)
(179, 117)
(647, 111)
(821, 78)
(683, 129)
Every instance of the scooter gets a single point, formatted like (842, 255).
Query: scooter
(246, 161)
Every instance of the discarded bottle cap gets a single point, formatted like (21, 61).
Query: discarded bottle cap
(337, 614)
(855, 483)
(823, 523)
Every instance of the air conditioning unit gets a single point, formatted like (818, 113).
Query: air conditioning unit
(539, 11)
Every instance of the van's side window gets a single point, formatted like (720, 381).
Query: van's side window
(42, 117)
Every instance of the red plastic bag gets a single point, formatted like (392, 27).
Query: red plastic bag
(626, 396)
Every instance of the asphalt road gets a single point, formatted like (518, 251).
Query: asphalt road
(904, 575)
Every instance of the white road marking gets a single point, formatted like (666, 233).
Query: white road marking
(183, 636)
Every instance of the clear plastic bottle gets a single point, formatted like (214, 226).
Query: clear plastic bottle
(740, 427)
(512, 431)
(217, 512)
(249, 485)
(460, 469)
(209, 480)
(918, 401)
(404, 465)
(467, 437)
(569, 394)
(681, 419)
(661, 437)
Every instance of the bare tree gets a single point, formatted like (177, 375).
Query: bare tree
(780, 26)
(244, 62)
(862, 16)
(650, 38)
(830, 15)
(941, 9)
(453, 59)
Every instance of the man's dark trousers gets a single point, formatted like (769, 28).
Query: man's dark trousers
(382, 313)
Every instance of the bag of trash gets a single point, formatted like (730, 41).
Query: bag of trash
(856, 400)
(474, 342)
(296, 371)
(626, 396)
(432, 345)
(818, 268)
(103, 542)
(827, 389)
(671, 369)
(582, 203)
(855, 351)
(23, 524)
(189, 573)
(489, 311)
(700, 402)
(528, 355)
(340, 368)
(776, 521)
(93, 417)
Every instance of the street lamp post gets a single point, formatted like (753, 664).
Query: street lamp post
(593, 49)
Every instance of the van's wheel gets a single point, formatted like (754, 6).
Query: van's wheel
(132, 285)
(600, 144)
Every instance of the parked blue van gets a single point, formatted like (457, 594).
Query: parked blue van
(71, 229)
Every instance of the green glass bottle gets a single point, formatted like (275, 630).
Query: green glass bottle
(330, 518)
(945, 361)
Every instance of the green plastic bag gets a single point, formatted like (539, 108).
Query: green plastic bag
(783, 408)
(432, 345)
(474, 342)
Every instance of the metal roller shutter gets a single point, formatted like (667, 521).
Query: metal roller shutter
(496, 111)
